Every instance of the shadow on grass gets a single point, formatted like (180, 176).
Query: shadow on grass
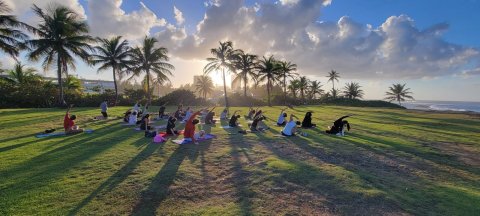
(119, 176)
(42, 169)
(240, 177)
(158, 189)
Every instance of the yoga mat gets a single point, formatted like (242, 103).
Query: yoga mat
(183, 141)
(88, 131)
(160, 127)
(228, 126)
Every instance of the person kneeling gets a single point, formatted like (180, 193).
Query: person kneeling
(291, 127)
(189, 133)
(254, 126)
(339, 126)
(69, 123)
(307, 121)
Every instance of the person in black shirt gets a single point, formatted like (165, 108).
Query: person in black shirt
(171, 126)
(145, 122)
(161, 112)
(307, 121)
(234, 120)
(254, 126)
(339, 126)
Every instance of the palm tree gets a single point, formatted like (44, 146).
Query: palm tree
(333, 93)
(148, 59)
(204, 85)
(303, 84)
(21, 74)
(246, 63)
(293, 87)
(61, 36)
(10, 35)
(332, 77)
(352, 90)
(315, 88)
(268, 71)
(398, 92)
(112, 53)
(73, 84)
(286, 71)
(222, 60)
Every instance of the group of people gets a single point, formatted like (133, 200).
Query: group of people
(140, 116)
(290, 127)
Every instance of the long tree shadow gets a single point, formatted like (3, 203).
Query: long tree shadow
(119, 176)
(158, 190)
(326, 184)
(240, 177)
(40, 170)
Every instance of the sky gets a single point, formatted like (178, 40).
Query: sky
(432, 45)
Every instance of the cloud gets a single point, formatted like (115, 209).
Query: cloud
(106, 19)
(22, 8)
(178, 16)
(396, 49)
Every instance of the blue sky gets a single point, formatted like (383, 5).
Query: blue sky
(433, 45)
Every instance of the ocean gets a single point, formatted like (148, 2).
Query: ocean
(458, 106)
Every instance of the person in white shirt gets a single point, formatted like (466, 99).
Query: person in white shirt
(188, 113)
(281, 118)
(291, 127)
(224, 114)
(133, 118)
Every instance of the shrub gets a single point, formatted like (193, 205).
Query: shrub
(181, 96)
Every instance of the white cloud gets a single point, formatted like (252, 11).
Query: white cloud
(106, 18)
(178, 16)
(22, 8)
(397, 49)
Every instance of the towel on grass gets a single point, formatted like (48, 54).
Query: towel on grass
(206, 137)
(160, 126)
(60, 134)
(228, 126)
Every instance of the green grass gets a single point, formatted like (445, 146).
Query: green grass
(392, 162)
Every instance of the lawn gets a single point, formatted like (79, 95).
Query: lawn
(392, 162)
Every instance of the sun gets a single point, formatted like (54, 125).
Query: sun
(218, 79)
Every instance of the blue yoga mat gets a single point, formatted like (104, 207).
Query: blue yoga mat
(88, 131)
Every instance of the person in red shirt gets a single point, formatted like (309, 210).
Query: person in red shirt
(69, 123)
(189, 133)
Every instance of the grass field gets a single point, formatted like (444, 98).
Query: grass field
(393, 162)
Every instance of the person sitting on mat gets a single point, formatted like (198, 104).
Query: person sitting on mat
(179, 113)
(104, 108)
(126, 115)
(133, 118)
(338, 126)
(257, 113)
(307, 121)
(145, 122)
(234, 120)
(291, 127)
(254, 126)
(145, 110)
(209, 117)
(69, 123)
(281, 118)
(251, 112)
(224, 114)
(189, 132)
(171, 126)
(161, 111)
(188, 113)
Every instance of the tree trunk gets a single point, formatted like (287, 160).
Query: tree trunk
(334, 95)
(268, 92)
(61, 99)
(285, 89)
(245, 86)
(115, 84)
(225, 88)
(148, 86)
